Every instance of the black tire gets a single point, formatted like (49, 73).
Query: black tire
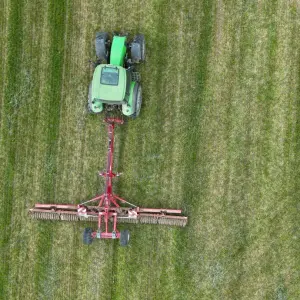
(87, 236)
(124, 238)
(101, 45)
(137, 96)
(138, 49)
(89, 109)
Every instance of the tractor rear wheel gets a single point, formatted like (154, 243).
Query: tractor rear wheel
(138, 49)
(124, 237)
(101, 45)
(137, 100)
(89, 109)
(87, 236)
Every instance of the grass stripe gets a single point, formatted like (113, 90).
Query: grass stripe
(193, 165)
(27, 93)
(44, 272)
(8, 132)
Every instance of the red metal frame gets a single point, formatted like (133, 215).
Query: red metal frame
(108, 199)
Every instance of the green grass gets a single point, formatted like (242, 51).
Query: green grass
(218, 136)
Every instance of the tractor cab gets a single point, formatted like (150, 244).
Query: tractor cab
(108, 86)
(115, 82)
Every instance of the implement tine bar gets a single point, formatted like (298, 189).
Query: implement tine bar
(124, 214)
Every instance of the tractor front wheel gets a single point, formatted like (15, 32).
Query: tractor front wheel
(124, 237)
(101, 46)
(87, 236)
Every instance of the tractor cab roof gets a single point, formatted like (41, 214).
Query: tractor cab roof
(109, 83)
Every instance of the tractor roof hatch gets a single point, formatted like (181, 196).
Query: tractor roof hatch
(109, 75)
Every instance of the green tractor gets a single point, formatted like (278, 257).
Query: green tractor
(116, 83)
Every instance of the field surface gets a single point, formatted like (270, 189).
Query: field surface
(218, 136)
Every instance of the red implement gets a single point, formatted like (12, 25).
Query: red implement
(107, 210)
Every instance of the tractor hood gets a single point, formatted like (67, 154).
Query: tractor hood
(109, 84)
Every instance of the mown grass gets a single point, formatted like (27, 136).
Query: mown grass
(218, 136)
(9, 124)
(44, 273)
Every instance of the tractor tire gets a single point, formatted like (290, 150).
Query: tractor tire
(89, 109)
(87, 236)
(124, 238)
(137, 94)
(101, 45)
(138, 49)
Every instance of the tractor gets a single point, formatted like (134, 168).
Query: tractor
(116, 83)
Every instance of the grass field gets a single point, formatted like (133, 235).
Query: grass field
(218, 136)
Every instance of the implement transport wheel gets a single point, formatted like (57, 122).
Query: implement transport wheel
(87, 236)
(137, 100)
(124, 237)
(138, 49)
(101, 45)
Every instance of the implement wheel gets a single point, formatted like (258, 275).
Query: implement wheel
(87, 236)
(124, 238)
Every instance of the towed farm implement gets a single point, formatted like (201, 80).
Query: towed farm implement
(108, 212)
(108, 209)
